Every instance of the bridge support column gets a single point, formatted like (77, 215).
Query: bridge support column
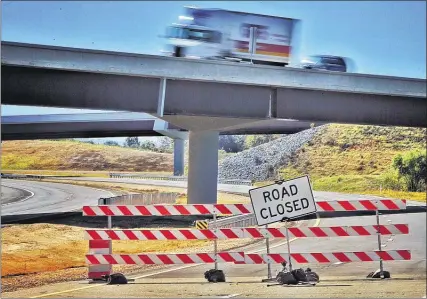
(203, 167)
(178, 156)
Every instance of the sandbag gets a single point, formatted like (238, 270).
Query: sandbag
(115, 278)
(286, 278)
(377, 274)
(215, 275)
(299, 275)
(312, 277)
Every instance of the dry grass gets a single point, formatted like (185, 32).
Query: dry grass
(66, 155)
(36, 248)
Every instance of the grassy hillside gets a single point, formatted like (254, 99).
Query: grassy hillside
(69, 155)
(354, 150)
(355, 159)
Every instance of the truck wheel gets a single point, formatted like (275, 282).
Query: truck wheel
(178, 52)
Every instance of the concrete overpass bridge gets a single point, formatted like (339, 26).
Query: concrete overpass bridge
(123, 124)
(204, 97)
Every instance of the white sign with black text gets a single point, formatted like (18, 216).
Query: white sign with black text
(290, 199)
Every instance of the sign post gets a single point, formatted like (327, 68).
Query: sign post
(284, 200)
(289, 246)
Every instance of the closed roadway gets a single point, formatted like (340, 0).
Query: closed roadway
(415, 241)
(47, 197)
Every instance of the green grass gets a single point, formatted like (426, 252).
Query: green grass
(358, 184)
(354, 159)
(353, 150)
(363, 184)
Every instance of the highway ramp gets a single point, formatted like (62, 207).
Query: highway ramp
(237, 189)
(48, 197)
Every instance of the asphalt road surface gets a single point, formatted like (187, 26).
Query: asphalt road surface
(10, 195)
(47, 197)
(62, 197)
(338, 280)
(238, 189)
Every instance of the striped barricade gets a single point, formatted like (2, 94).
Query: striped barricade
(235, 209)
(165, 259)
(243, 258)
(332, 257)
(251, 233)
(100, 258)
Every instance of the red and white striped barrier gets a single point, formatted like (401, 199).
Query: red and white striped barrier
(333, 231)
(242, 258)
(361, 205)
(253, 233)
(168, 210)
(235, 209)
(333, 257)
(99, 247)
(176, 234)
(164, 259)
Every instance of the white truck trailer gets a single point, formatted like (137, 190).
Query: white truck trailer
(223, 34)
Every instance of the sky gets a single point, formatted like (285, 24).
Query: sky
(381, 37)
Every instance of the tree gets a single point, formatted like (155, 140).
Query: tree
(165, 144)
(412, 166)
(111, 143)
(132, 142)
(231, 143)
(148, 145)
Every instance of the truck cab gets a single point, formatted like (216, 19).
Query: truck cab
(183, 36)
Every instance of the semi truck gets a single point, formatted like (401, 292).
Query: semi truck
(237, 36)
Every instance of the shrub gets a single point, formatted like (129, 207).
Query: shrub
(412, 167)
(390, 180)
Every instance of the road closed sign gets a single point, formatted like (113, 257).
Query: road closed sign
(290, 199)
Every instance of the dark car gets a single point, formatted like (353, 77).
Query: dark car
(325, 62)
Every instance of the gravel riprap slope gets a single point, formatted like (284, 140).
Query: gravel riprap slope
(260, 163)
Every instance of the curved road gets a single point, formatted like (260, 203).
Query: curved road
(48, 197)
(238, 189)
(10, 195)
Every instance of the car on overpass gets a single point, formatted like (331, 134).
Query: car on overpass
(325, 62)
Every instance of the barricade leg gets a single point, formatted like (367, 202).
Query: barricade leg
(382, 274)
(267, 245)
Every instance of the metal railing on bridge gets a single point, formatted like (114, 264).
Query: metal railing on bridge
(175, 178)
(141, 199)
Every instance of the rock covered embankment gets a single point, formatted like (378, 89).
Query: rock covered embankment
(260, 163)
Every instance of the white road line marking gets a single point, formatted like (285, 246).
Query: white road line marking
(24, 199)
(230, 296)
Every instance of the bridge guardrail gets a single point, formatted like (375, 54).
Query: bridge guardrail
(21, 176)
(245, 220)
(176, 178)
(141, 199)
